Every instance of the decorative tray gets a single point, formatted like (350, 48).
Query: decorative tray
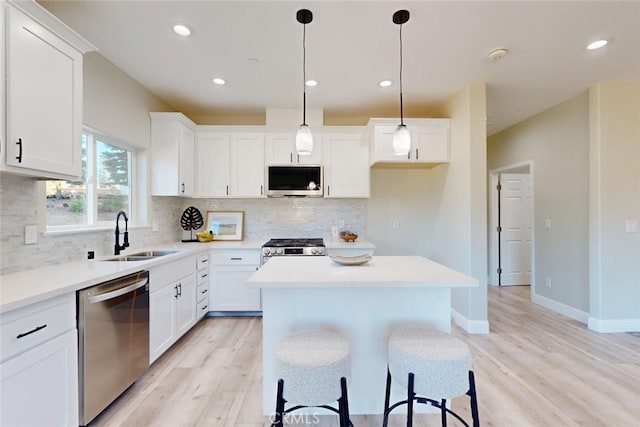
(350, 260)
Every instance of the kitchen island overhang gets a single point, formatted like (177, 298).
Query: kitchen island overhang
(361, 302)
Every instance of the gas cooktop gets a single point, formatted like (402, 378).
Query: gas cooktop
(293, 247)
(294, 242)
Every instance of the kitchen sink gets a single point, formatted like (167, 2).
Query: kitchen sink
(140, 256)
(153, 254)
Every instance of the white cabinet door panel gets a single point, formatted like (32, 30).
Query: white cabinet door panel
(247, 160)
(40, 387)
(229, 291)
(186, 305)
(44, 99)
(162, 321)
(214, 171)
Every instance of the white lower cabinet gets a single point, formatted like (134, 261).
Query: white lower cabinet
(228, 273)
(172, 304)
(39, 365)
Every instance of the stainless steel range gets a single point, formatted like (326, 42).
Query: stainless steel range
(293, 247)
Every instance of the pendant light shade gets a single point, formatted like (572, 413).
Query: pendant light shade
(401, 141)
(304, 139)
(401, 137)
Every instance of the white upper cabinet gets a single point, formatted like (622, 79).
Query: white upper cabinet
(172, 155)
(43, 101)
(213, 153)
(247, 165)
(429, 141)
(230, 164)
(346, 166)
(280, 149)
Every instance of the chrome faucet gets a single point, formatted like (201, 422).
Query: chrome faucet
(125, 244)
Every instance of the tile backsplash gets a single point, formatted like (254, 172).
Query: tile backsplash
(263, 219)
(290, 217)
(18, 207)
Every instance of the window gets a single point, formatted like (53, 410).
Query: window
(103, 191)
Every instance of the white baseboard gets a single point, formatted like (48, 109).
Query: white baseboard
(558, 307)
(471, 326)
(614, 325)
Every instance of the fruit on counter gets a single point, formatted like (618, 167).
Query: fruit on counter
(204, 236)
(348, 236)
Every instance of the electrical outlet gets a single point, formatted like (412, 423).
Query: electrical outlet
(547, 224)
(30, 234)
(547, 282)
(154, 226)
(631, 226)
(341, 224)
(395, 224)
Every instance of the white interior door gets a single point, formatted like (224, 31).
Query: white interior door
(515, 221)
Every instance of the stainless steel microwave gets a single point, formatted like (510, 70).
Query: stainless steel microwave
(294, 181)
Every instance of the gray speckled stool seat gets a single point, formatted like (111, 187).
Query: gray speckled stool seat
(313, 367)
(434, 366)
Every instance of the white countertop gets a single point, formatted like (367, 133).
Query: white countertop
(381, 271)
(27, 287)
(349, 245)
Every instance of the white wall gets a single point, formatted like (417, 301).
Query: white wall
(402, 195)
(557, 142)
(117, 104)
(459, 193)
(614, 283)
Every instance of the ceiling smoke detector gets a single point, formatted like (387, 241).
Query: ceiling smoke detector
(498, 53)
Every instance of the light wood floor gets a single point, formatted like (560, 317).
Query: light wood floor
(535, 368)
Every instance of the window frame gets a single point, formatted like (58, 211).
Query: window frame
(93, 136)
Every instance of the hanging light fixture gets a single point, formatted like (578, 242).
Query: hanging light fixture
(304, 139)
(401, 137)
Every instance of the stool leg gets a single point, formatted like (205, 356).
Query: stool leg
(279, 415)
(410, 396)
(385, 418)
(443, 412)
(343, 404)
(474, 400)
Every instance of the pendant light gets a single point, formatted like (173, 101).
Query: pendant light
(304, 139)
(401, 137)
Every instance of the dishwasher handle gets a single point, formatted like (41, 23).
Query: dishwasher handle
(121, 291)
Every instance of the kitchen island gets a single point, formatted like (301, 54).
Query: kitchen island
(361, 302)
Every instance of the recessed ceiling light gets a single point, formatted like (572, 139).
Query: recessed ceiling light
(385, 83)
(182, 30)
(219, 81)
(311, 83)
(597, 44)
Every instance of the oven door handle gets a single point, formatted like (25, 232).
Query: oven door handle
(118, 292)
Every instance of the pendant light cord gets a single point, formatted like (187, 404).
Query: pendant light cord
(304, 74)
(401, 108)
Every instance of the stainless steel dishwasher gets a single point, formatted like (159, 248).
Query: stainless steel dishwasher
(113, 340)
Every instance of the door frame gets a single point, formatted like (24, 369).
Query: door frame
(520, 167)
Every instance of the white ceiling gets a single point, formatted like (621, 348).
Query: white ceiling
(352, 45)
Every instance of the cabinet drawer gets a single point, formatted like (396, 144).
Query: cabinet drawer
(203, 292)
(203, 262)
(236, 257)
(28, 327)
(167, 274)
(203, 277)
(203, 308)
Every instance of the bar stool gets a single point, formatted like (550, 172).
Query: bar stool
(313, 366)
(433, 366)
